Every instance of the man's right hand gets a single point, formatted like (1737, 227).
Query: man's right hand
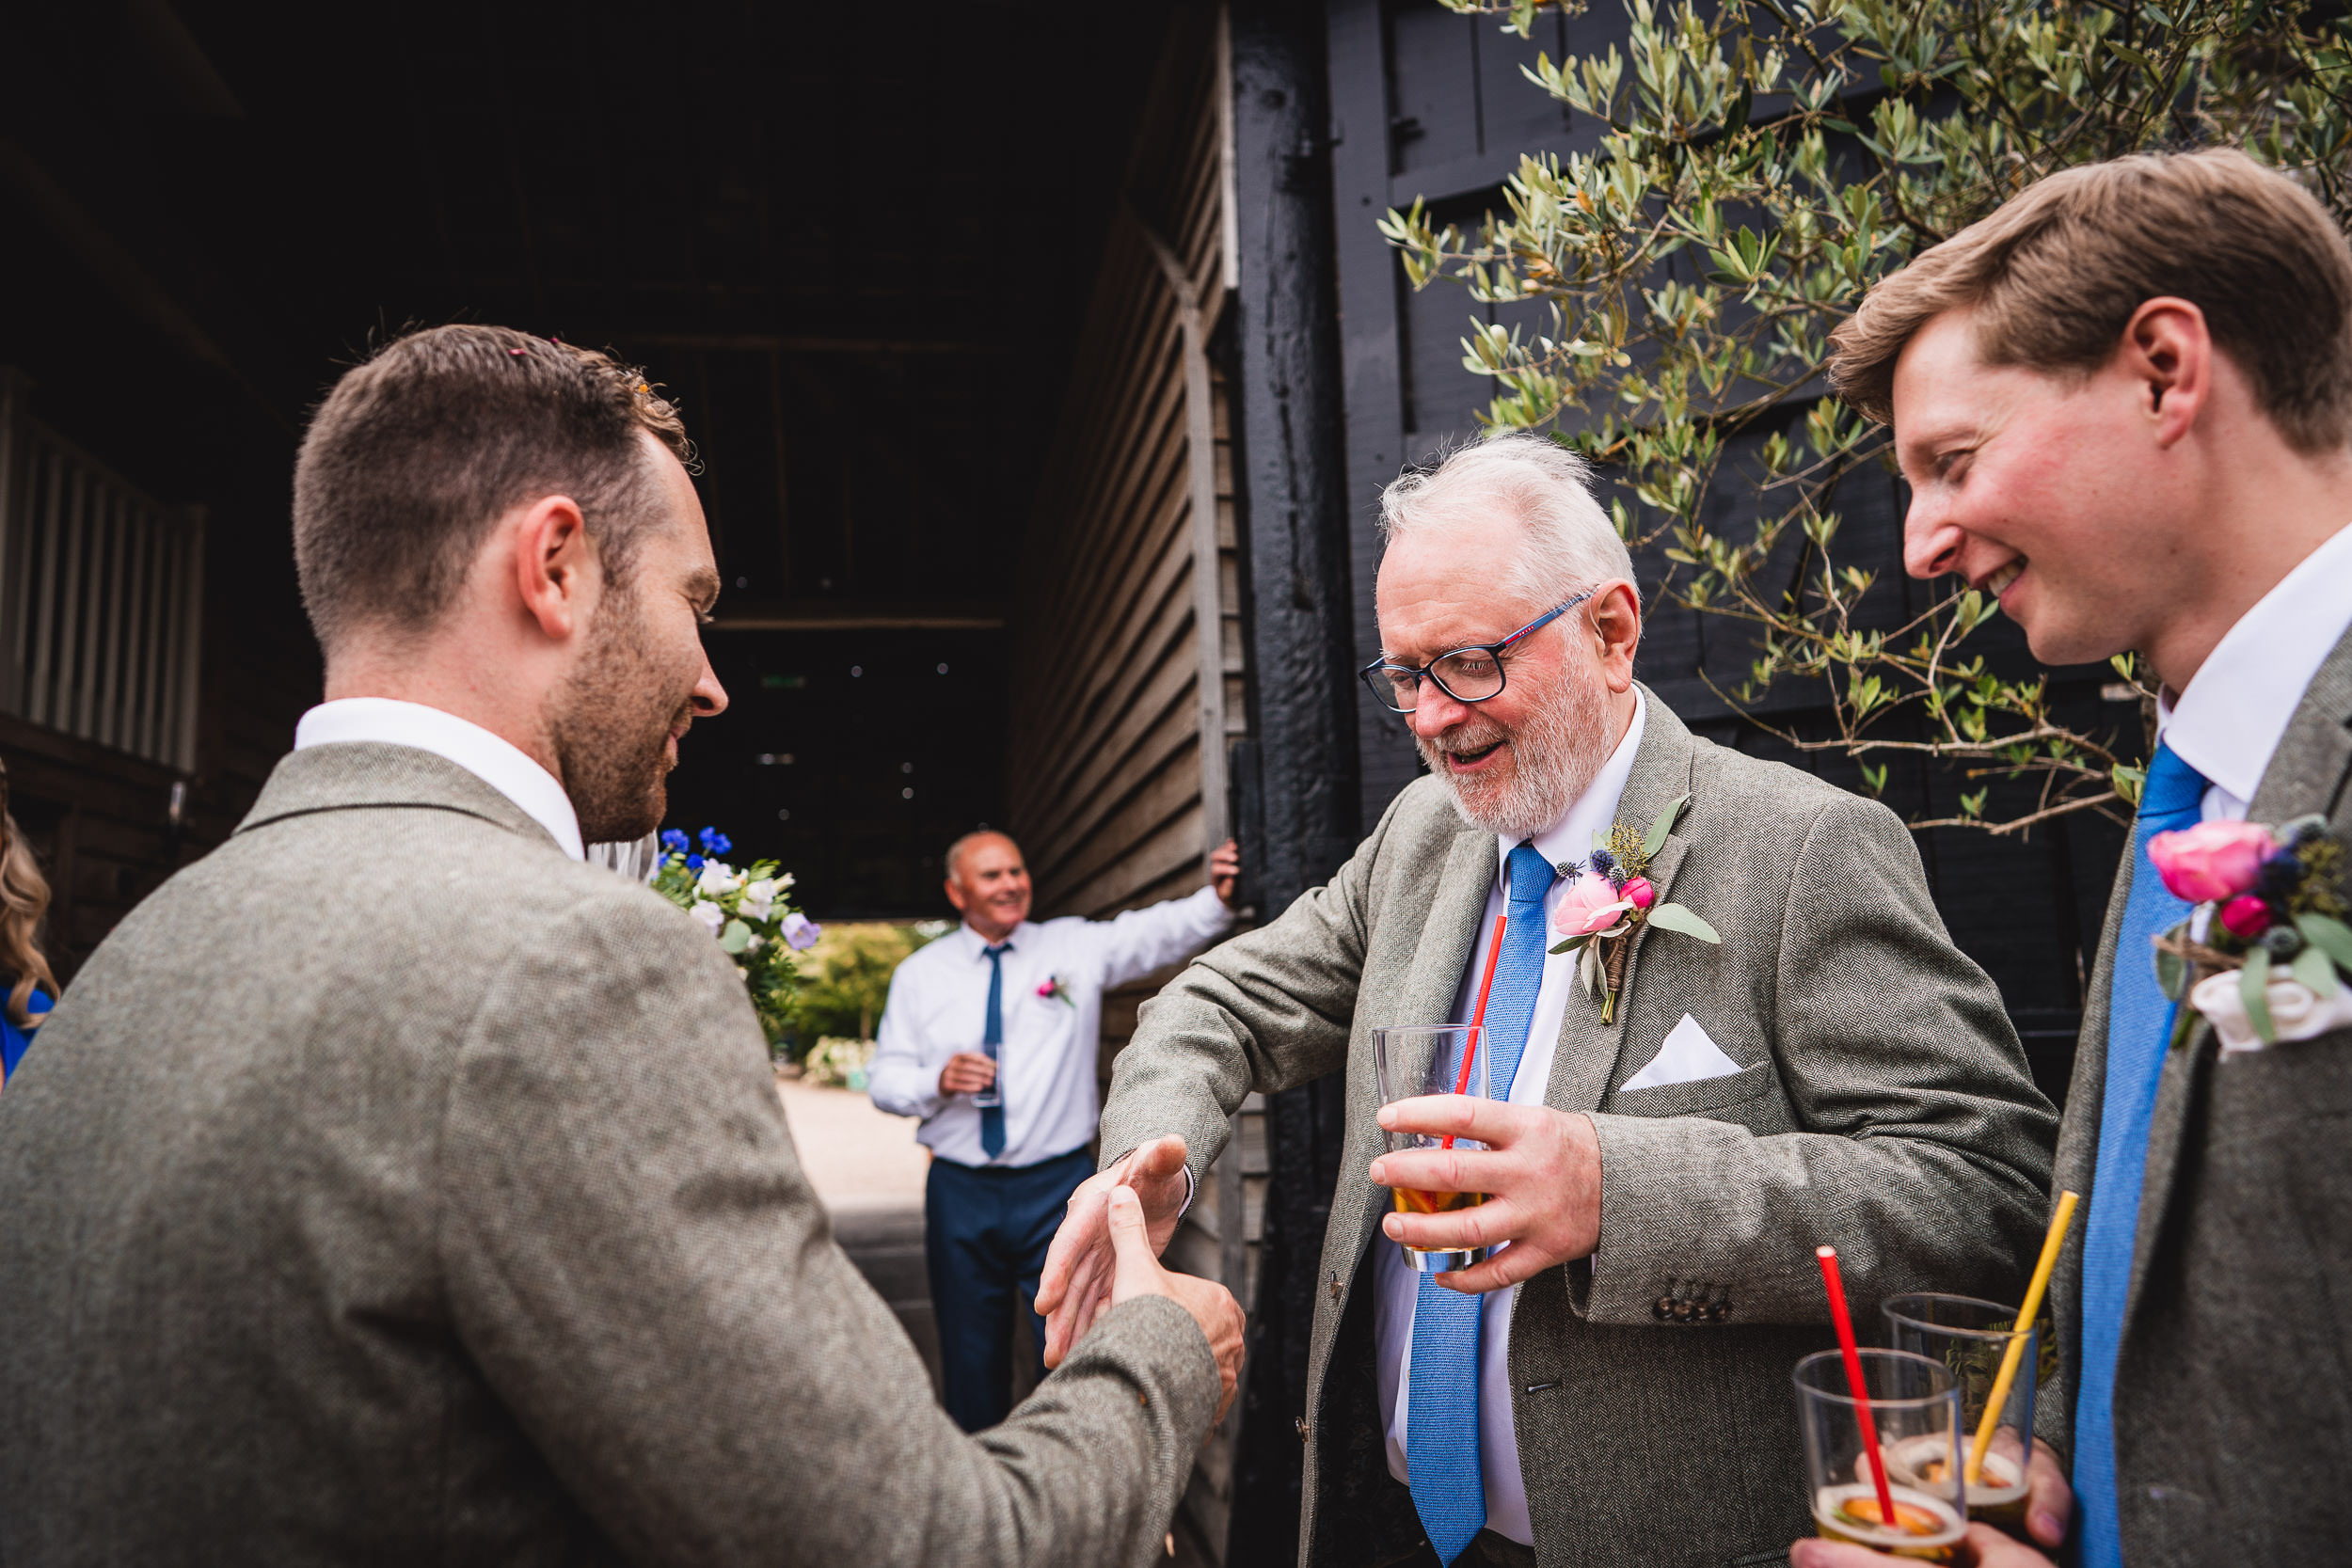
(1137, 1271)
(1076, 1283)
(966, 1072)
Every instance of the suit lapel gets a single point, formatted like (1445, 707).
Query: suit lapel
(1587, 1053)
(2307, 773)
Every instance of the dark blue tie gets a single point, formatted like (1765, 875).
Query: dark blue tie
(2139, 1030)
(1442, 1454)
(992, 1099)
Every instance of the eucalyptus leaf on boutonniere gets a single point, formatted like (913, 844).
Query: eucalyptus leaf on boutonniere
(2261, 954)
(1612, 898)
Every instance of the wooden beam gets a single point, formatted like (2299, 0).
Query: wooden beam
(863, 615)
(772, 342)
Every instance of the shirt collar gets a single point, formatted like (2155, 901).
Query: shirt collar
(976, 946)
(2230, 721)
(496, 762)
(1571, 837)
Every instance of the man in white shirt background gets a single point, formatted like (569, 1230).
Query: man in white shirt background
(2123, 403)
(991, 1035)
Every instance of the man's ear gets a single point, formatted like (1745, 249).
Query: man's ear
(1615, 610)
(2168, 352)
(556, 570)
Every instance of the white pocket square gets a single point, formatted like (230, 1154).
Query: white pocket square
(1687, 1056)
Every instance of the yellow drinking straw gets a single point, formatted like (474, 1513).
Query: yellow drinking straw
(2016, 1351)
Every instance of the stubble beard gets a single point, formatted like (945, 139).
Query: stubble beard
(612, 728)
(1554, 757)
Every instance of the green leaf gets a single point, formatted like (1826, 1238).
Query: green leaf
(735, 938)
(2254, 989)
(2316, 970)
(1571, 945)
(1662, 825)
(1675, 917)
(2127, 781)
(2173, 970)
(2330, 935)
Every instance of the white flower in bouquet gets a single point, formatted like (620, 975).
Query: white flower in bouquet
(747, 911)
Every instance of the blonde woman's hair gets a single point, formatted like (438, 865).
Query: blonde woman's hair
(23, 902)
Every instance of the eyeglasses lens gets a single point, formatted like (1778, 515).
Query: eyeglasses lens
(1471, 677)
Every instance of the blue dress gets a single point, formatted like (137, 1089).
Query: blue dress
(12, 1040)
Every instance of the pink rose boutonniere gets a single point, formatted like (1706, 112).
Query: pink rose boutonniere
(2271, 908)
(1055, 988)
(1612, 898)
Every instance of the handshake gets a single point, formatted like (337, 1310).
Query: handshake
(1108, 1251)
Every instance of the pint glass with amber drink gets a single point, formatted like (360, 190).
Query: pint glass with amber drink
(1972, 1337)
(1914, 1410)
(1414, 1060)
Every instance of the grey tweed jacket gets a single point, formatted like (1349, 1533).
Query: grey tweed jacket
(391, 1189)
(2234, 1391)
(1883, 1105)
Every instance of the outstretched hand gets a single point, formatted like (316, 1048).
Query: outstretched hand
(1077, 1280)
(1136, 1272)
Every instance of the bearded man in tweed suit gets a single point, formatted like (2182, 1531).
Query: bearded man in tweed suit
(393, 1186)
(1615, 1390)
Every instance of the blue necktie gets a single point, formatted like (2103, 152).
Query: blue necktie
(2139, 1030)
(1441, 1422)
(992, 1102)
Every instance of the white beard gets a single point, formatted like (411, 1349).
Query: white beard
(1553, 758)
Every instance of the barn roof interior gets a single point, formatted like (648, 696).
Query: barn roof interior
(857, 255)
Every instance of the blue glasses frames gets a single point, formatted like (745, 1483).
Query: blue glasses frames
(1471, 674)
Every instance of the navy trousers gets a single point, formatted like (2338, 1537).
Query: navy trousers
(985, 1234)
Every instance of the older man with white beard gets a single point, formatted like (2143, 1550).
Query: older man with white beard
(1672, 1131)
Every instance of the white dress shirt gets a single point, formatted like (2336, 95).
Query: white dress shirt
(2231, 717)
(1397, 1287)
(1045, 1064)
(496, 762)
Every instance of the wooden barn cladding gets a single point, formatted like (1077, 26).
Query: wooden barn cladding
(1128, 662)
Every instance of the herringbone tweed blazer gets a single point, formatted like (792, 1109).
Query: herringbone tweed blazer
(2233, 1392)
(1883, 1106)
(391, 1188)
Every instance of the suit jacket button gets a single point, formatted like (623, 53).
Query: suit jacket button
(1335, 1287)
(1301, 1424)
(1663, 1308)
(1682, 1311)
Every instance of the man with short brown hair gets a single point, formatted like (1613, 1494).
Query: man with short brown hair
(2123, 403)
(392, 1187)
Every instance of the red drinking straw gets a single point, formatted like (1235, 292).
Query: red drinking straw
(1854, 1386)
(1478, 1018)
